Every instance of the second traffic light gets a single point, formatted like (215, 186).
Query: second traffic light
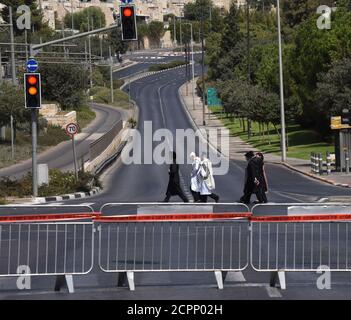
(128, 22)
(32, 90)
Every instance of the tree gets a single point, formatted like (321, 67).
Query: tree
(91, 17)
(64, 84)
(155, 32)
(333, 92)
(12, 102)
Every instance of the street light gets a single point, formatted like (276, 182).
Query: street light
(282, 109)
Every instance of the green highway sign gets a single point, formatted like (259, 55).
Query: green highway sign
(212, 98)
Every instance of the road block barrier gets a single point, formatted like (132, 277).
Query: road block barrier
(306, 238)
(215, 242)
(60, 245)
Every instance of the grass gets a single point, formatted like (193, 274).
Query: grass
(103, 95)
(85, 115)
(301, 142)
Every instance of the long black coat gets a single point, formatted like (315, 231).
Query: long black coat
(173, 188)
(254, 170)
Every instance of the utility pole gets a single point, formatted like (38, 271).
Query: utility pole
(193, 64)
(0, 67)
(175, 32)
(203, 64)
(90, 64)
(282, 109)
(111, 74)
(248, 60)
(180, 32)
(13, 62)
(26, 43)
(72, 20)
(12, 138)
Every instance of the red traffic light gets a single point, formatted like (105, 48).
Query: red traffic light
(32, 80)
(127, 12)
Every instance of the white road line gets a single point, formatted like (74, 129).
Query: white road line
(235, 277)
(273, 292)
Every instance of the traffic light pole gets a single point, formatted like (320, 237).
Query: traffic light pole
(34, 153)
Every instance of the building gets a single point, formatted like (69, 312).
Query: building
(149, 10)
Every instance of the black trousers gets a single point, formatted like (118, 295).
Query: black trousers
(196, 195)
(212, 196)
(260, 194)
(180, 194)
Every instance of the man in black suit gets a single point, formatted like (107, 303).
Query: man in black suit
(253, 179)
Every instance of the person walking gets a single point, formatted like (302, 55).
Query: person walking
(194, 179)
(174, 188)
(251, 178)
(207, 182)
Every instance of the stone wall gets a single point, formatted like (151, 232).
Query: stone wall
(55, 117)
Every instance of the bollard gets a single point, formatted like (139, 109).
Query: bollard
(320, 164)
(347, 162)
(328, 157)
(312, 162)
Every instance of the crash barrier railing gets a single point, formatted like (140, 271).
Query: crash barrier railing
(319, 166)
(47, 243)
(190, 240)
(99, 145)
(308, 237)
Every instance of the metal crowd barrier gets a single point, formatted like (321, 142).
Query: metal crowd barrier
(213, 242)
(306, 238)
(47, 243)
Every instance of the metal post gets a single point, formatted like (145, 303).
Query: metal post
(193, 65)
(347, 161)
(320, 164)
(282, 109)
(26, 43)
(180, 32)
(34, 153)
(12, 139)
(312, 163)
(186, 70)
(75, 157)
(0, 67)
(13, 62)
(111, 74)
(328, 157)
(90, 64)
(175, 32)
(72, 20)
(203, 65)
(248, 59)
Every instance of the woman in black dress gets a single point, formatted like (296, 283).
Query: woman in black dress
(174, 188)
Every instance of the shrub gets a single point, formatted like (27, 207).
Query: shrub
(173, 64)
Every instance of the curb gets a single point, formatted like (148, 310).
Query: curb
(274, 162)
(73, 196)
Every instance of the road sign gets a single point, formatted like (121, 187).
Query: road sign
(212, 98)
(126, 1)
(32, 65)
(336, 124)
(72, 129)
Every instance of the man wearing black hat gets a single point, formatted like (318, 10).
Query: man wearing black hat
(252, 179)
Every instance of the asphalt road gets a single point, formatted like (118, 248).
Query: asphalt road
(61, 156)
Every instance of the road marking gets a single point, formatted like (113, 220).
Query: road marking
(87, 204)
(273, 292)
(235, 277)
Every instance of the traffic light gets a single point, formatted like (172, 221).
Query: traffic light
(346, 117)
(128, 22)
(32, 88)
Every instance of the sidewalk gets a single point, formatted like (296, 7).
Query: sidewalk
(238, 147)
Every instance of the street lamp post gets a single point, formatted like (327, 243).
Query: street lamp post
(192, 63)
(282, 109)
(203, 64)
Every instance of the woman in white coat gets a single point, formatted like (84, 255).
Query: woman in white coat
(207, 182)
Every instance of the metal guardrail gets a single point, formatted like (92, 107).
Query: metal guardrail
(162, 242)
(306, 238)
(99, 145)
(47, 244)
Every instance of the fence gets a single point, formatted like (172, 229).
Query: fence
(185, 241)
(99, 145)
(306, 238)
(51, 244)
(154, 237)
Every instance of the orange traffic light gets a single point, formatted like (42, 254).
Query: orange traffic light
(32, 90)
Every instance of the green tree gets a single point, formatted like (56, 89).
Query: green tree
(65, 84)
(88, 18)
(155, 32)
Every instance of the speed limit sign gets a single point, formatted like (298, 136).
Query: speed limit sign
(72, 129)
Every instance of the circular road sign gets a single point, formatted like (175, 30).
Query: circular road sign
(72, 129)
(32, 65)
